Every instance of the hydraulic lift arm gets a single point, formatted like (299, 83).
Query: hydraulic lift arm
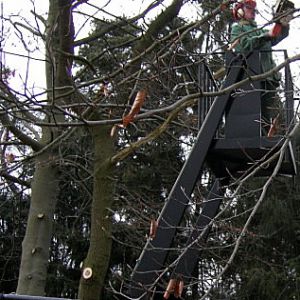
(151, 261)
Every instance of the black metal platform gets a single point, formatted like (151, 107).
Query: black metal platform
(242, 142)
(231, 141)
(235, 157)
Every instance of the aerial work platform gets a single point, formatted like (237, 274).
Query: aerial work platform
(245, 140)
(231, 141)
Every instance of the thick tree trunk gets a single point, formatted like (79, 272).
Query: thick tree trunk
(45, 185)
(97, 261)
(35, 247)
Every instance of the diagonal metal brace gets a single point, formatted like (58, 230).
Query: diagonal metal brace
(189, 258)
(151, 261)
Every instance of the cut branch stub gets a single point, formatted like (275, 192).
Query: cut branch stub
(87, 273)
(40, 216)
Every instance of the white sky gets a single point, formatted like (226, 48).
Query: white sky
(116, 7)
(14, 45)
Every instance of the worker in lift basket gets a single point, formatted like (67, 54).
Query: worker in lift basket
(246, 37)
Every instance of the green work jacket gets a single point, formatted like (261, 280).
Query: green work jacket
(253, 38)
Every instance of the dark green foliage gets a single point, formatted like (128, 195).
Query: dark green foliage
(14, 209)
(271, 259)
(72, 218)
(71, 223)
(144, 182)
(267, 263)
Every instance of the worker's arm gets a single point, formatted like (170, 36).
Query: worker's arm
(284, 32)
(248, 41)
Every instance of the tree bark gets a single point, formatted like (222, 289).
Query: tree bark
(45, 186)
(96, 264)
(35, 246)
(97, 260)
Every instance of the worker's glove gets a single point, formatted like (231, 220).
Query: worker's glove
(284, 21)
(276, 30)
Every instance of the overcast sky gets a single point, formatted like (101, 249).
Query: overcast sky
(14, 46)
(119, 7)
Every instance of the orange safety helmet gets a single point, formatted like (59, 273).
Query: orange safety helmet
(238, 9)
